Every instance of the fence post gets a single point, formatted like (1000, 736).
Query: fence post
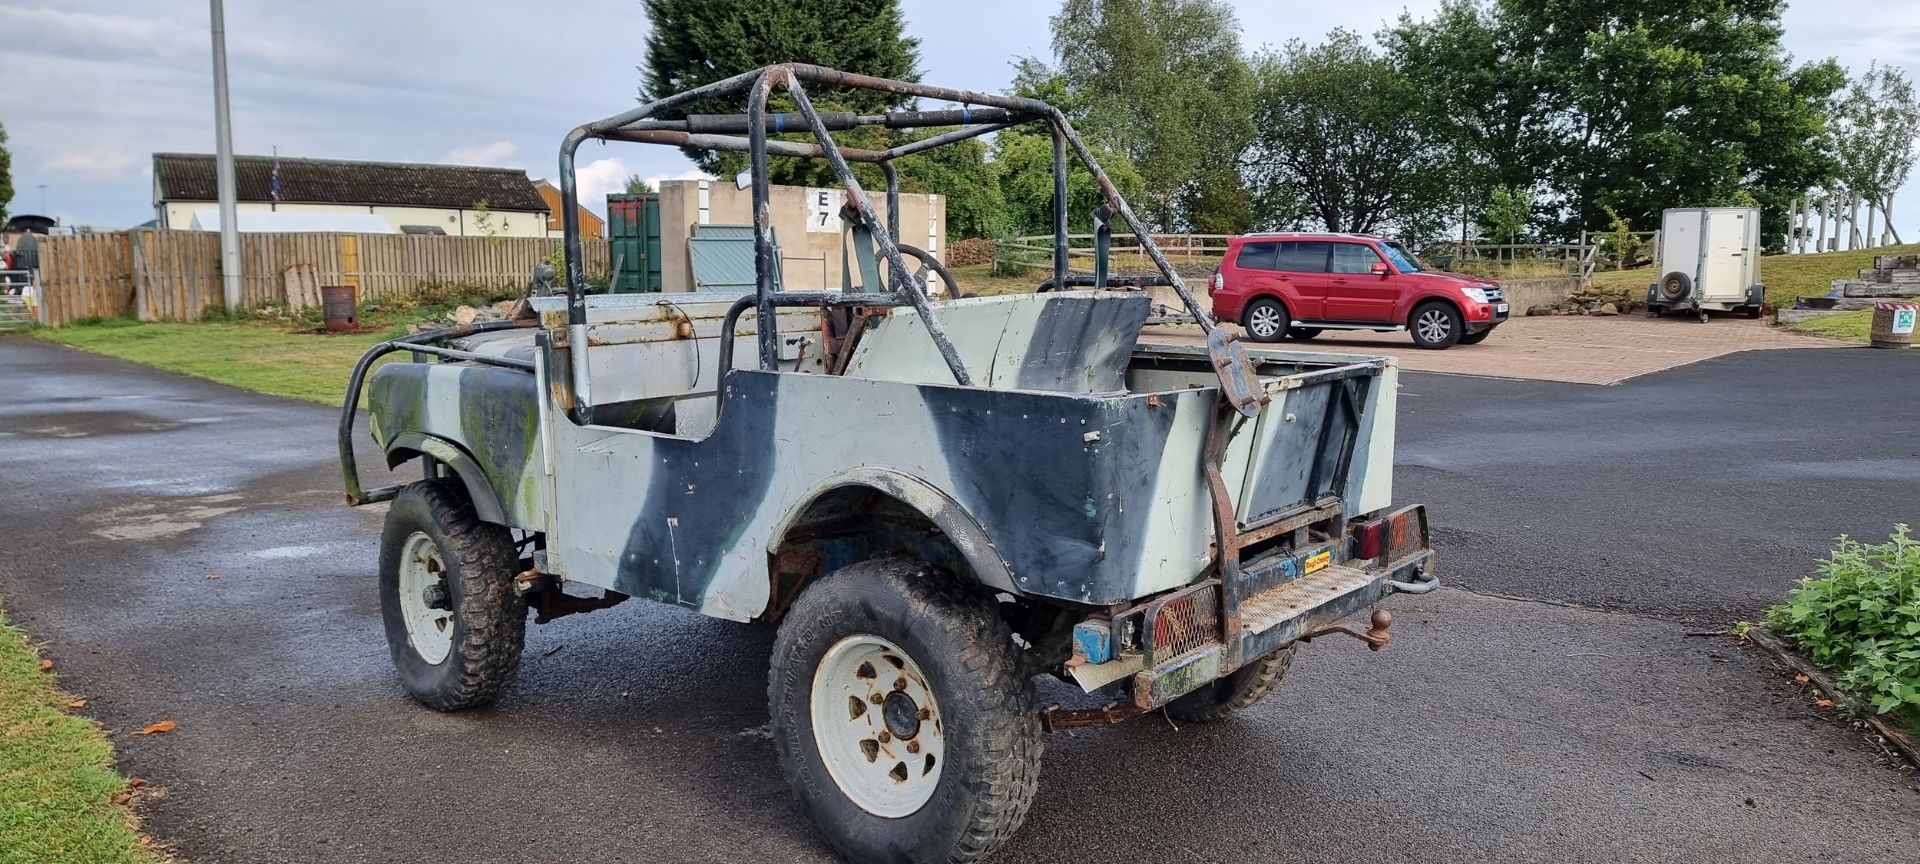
(137, 262)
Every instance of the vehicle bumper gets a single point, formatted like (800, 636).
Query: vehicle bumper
(1179, 646)
(1488, 316)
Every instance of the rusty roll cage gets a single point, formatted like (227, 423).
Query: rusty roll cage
(721, 132)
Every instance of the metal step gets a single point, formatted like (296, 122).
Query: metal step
(1328, 591)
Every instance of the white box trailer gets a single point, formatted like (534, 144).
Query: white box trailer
(1709, 260)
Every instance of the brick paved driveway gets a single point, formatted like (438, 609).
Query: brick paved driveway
(1575, 349)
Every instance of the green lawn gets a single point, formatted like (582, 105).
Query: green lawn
(269, 357)
(57, 783)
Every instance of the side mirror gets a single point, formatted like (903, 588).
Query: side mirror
(1379, 268)
(743, 180)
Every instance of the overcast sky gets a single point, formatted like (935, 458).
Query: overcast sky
(94, 87)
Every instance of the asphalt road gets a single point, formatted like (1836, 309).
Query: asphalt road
(1493, 729)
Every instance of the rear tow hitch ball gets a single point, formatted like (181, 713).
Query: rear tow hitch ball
(1376, 636)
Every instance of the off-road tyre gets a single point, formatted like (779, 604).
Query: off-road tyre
(1265, 320)
(1476, 338)
(489, 620)
(1235, 693)
(1436, 325)
(1303, 333)
(985, 701)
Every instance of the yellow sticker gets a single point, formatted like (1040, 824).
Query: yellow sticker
(1319, 560)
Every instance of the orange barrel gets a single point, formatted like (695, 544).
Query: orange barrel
(1893, 325)
(341, 305)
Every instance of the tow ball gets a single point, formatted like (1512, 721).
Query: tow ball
(1376, 636)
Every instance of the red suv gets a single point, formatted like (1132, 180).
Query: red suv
(1299, 285)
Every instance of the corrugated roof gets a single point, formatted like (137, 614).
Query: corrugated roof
(190, 177)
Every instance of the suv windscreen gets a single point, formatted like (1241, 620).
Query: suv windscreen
(1256, 256)
(1353, 258)
(1302, 256)
(1402, 260)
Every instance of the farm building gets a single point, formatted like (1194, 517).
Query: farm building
(327, 194)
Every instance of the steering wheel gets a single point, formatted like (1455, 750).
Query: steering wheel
(930, 263)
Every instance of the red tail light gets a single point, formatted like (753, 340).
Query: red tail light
(1367, 539)
(1215, 282)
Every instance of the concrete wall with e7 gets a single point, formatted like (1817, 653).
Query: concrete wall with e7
(809, 246)
(178, 215)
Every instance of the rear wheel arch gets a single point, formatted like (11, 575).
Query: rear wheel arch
(882, 513)
(411, 445)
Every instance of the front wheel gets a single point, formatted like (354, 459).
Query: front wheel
(901, 715)
(1435, 325)
(1303, 333)
(1266, 320)
(1476, 338)
(454, 625)
(1235, 693)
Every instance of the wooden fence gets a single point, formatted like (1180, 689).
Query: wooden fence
(175, 275)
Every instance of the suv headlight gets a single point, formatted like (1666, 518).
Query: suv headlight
(1477, 295)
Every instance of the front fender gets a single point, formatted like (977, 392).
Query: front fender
(486, 502)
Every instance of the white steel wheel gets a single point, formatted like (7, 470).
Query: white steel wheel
(1264, 321)
(1434, 325)
(877, 726)
(426, 607)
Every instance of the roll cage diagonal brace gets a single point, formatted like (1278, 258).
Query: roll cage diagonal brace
(979, 114)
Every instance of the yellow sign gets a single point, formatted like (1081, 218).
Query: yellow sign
(1319, 560)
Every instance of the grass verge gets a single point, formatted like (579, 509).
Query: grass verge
(263, 356)
(57, 784)
(1853, 326)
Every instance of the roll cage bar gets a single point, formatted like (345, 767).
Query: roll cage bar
(978, 114)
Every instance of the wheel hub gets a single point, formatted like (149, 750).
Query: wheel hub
(876, 726)
(902, 715)
(426, 607)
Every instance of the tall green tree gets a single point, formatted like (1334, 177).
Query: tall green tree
(1637, 105)
(6, 174)
(1874, 126)
(1336, 145)
(960, 173)
(1022, 161)
(698, 42)
(1164, 82)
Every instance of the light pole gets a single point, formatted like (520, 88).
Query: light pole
(223, 167)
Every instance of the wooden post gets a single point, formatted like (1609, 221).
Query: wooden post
(1870, 238)
(139, 267)
(1888, 210)
(1853, 220)
(1820, 239)
(1793, 219)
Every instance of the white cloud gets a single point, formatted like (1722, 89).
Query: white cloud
(93, 163)
(499, 154)
(689, 174)
(597, 179)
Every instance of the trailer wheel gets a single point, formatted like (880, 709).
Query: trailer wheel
(454, 625)
(1236, 692)
(901, 715)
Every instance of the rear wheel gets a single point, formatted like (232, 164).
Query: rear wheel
(1235, 693)
(1435, 325)
(454, 625)
(1303, 333)
(902, 716)
(1265, 320)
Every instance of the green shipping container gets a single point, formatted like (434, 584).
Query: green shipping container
(633, 226)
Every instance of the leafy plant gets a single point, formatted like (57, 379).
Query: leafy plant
(1861, 619)
(1619, 241)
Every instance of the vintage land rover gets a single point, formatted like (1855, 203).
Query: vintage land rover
(935, 501)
